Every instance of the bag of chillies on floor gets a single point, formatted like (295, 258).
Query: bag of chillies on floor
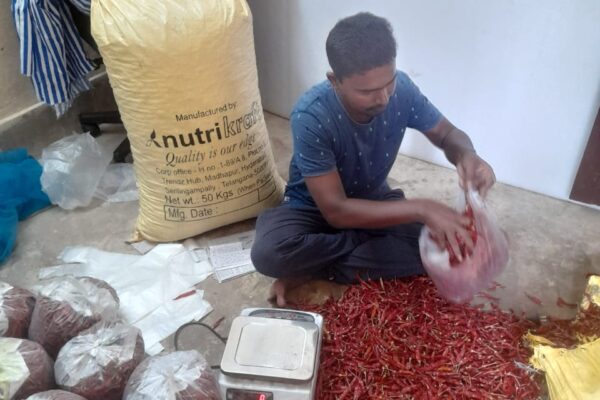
(25, 369)
(55, 395)
(16, 306)
(180, 375)
(97, 363)
(67, 305)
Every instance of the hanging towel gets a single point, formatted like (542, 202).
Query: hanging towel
(51, 50)
(82, 5)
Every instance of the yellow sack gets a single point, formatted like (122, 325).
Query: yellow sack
(184, 76)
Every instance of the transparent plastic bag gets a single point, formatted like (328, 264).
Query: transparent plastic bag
(180, 375)
(55, 395)
(73, 166)
(66, 306)
(459, 283)
(25, 368)
(97, 363)
(117, 184)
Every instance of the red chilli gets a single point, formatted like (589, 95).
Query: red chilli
(560, 302)
(400, 340)
(534, 300)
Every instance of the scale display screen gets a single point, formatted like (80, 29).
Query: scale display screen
(280, 314)
(238, 394)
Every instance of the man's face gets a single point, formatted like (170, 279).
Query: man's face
(367, 94)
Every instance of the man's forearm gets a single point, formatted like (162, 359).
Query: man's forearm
(455, 144)
(371, 214)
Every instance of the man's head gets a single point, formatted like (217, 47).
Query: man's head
(361, 50)
(359, 43)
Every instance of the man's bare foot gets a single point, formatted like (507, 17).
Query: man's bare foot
(280, 288)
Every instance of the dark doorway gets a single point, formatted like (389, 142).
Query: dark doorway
(587, 182)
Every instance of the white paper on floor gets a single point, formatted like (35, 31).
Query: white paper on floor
(229, 261)
(147, 285)
(230, 255)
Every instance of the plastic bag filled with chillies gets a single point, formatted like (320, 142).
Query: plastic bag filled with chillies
(97, 363)
(66, 306)
(25, 369)
(179, 375)
(459, 277)
(16, 306)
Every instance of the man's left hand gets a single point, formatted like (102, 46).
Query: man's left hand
(475, 173)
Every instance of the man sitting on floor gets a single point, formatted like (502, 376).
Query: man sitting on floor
(339, 219)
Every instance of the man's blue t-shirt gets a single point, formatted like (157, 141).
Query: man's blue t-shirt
(325, 139)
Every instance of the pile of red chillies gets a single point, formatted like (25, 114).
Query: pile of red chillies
(571, 333)
(400, 340)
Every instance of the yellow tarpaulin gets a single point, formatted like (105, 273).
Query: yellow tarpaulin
(571, 374)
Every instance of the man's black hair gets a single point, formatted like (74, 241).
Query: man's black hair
(359, 43)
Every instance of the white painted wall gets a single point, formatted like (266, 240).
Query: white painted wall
(521, 77)
(16, 90)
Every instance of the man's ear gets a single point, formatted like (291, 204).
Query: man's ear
(331, 77)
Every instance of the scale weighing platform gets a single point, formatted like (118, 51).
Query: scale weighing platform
(271, 354)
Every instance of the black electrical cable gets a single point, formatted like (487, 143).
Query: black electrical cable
(187, 325)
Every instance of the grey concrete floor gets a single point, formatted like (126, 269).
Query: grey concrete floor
(553, 244)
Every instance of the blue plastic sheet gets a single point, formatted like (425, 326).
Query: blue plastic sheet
(20, 195)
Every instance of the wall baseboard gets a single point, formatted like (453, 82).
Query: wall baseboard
(37, 126)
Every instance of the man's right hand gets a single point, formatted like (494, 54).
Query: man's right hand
(446, 225)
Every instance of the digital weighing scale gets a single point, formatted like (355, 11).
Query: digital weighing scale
(271, 354)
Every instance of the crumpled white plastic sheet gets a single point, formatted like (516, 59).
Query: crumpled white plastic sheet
(117, 184)
(72, 168)
(147, 285)
(167, 318)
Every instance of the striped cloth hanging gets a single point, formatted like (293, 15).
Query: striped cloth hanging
(51, 50)
(82, 5)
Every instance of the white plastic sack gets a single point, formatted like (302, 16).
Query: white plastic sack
(459, 283)
(143, 283)
(72, 168)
